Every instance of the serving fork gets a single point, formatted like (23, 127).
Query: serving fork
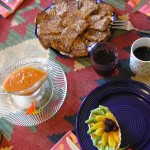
(126, 25)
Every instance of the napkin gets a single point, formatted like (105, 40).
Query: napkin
(62, 144)
(144, 9)
(12, 4)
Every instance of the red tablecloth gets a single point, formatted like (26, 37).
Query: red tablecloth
(81, 78)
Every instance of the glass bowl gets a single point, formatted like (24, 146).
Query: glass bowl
(37, 93)
(48, 94)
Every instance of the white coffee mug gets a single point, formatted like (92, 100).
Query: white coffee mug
(137, 66)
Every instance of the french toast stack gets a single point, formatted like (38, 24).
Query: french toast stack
(71, 26)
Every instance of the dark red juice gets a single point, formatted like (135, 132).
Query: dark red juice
(106, 62)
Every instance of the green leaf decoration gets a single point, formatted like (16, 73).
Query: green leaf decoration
(6, 128)
(120, 4)
(141, 3)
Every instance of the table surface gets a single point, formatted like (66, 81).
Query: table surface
(18, 29)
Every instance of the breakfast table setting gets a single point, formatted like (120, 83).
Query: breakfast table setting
(78, 82)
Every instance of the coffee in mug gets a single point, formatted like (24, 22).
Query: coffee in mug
(140, 57)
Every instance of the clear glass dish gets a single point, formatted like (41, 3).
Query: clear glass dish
(48, 94)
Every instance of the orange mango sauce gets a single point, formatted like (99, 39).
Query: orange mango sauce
(22, 79)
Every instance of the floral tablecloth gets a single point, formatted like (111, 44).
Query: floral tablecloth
(17, 40)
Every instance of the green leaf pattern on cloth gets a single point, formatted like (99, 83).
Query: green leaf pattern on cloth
(17, 38)
(33, 128)
(6, 128)
(18, 17)
(118, 4)
(81, 63)
(141, 3)
(0, 136)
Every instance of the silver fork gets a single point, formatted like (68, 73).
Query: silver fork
(125, 25)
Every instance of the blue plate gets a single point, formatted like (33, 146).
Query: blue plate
(62, 55)
(129, 101)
